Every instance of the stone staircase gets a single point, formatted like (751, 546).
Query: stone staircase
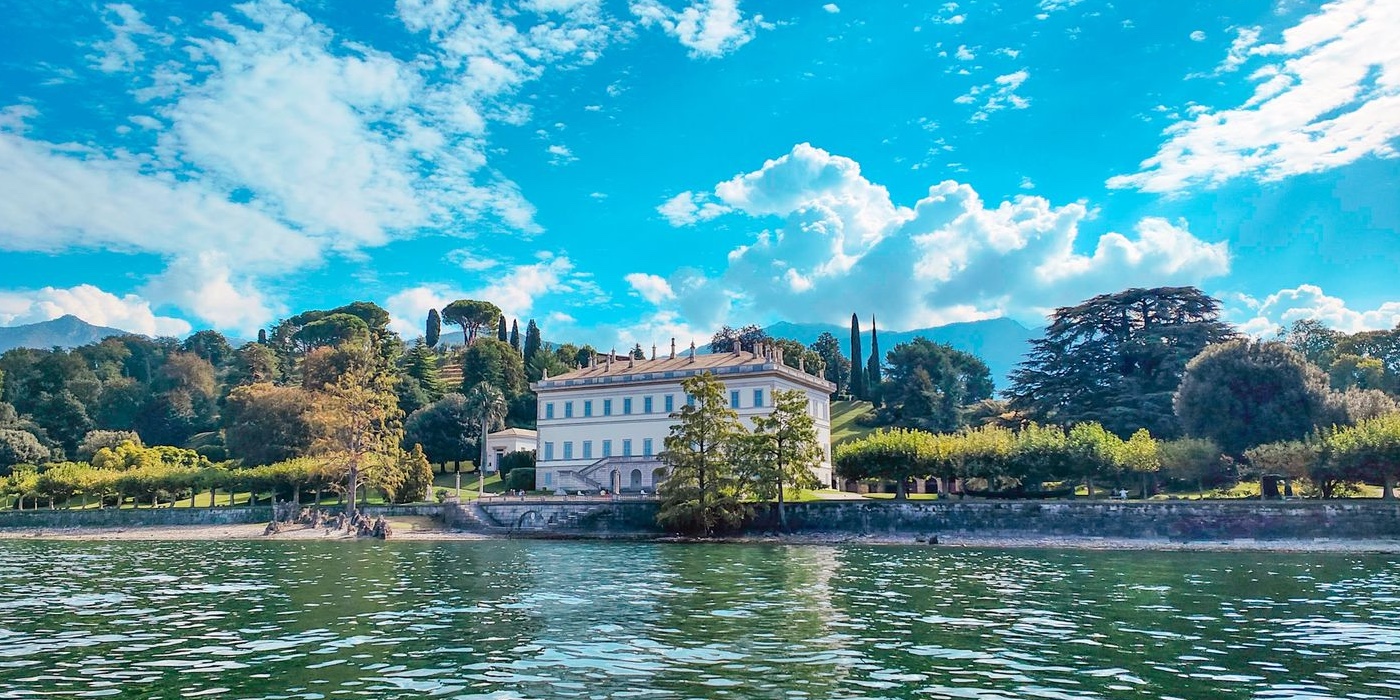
(602, 467)
(470, 516)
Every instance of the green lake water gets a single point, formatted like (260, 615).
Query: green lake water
(533, 619)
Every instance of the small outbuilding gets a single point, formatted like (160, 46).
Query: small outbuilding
(503, 442)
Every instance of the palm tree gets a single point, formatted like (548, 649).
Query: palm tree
(488, 405)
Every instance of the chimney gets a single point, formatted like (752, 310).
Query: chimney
(653, 351)
(673, 348)
(631, 361)
(692, 351)
(611, 353)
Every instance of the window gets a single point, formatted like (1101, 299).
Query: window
(626, 448)
(549, 478)
(568, 449)
(646, 447)
(607, 448)
(670, 403)
(757, 398)
(548, 451)
(689, 400)
(734, 399)
(627, 406)
(646, 404)
(588, 449)
(607, 407)
(587, 409)
(549, 410)
(568, 409)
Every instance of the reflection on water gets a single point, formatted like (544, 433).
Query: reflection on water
(571, 619)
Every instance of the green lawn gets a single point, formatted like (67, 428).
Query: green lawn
(844, 427)
(469, 484)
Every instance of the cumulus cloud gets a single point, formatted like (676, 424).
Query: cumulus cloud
(997, 95)
(845, 244)
(689, 207)
(100, 308)
(831, 7)
(709, 28)
(280, 144)
(1279, 310)
(1327, 94)
(653, 288)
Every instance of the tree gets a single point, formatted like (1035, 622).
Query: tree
(1117, 359)
(444, 428)
(331, 331)
(20, 447)
(255, 363)
(64, 419)
(212, 346)
(896, 454)
(417, 477)
(857, 382)
(515, 334)
(872, 366)
(1314, 341)
(931, 384)
(494, 362)
(702, 492)
(533, 343)
(638, 353)
(835, 367)
(98, 439)
(798, 356)
(262, 336)
(727, 339)
(472, 315)
(1242, 393)
(487, 406)
(1139, 456)
(359, 427)
(1193, 460)
(266, 424)
(1095, 452)
(421, 363)
(542, 363)
(501, 333)
(1368, 452)
(434, 330)
(785, 450)
(1350, 371)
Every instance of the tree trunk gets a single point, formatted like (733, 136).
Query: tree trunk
(212, 491)
(230, 498)
(1089, 486)
(296, 497)
(782, 512)
(85, 501)
(51, 503)
(155, 500)
(353, 488)
(318, 496)
(458, 474)
(120, 498)
(1389, 493)
(900, 492)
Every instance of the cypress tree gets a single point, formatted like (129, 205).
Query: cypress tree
(515, 334)
(532, 339)
(434, 330)
(501, 334)
(262, 336)
(872, 370)
(857, 370)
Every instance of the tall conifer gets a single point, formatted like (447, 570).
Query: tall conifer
(532, 339)
(501, 334)
(434, 330)
(515, 334)
(872, 368)
(857, 369)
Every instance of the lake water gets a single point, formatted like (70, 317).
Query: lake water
(516, 619)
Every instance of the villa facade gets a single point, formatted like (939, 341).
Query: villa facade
(604, 426)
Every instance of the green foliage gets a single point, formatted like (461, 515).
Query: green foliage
(544, 363)
(255, 363)
(515, 335)
(783, 450)
(1368, 452)
(533, 342)
(1192, 460)
(417, 477)
(702, 493)
(65, 419)
(421, 363)
(493, 362)
(210, 346)
(472, 315)
(333, 330)
(896, 454)
(521, 459)
(501, 333)
(872, 366)
(1117, 359)
(521, 479)
(727, 338)
(835, 367)
(1241, 394)
(931, 384)
(433, 331)
(444, 428)
(1350, 371)
(98, 439)
(798, 356)
(20, 447)
(857, 382)
(264, 424)
(1314, 341)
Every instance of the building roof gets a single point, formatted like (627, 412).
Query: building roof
(513, 433)
(683, 364)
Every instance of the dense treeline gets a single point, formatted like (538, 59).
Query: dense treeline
(1147, 367)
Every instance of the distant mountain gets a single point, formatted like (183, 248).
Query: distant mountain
(67, 331)
(1000, 342)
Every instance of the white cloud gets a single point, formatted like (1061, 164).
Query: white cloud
(121, 52)
(1280, 309)
(709, 28)
(997, 95)
(1240, 49)
(1328, 96)
(100, 308)
(1198, 35)
(689, 207)
(653, 288)
(205, 286)
(845, 244)
(964, 54)
(831, 7)
(560, 154)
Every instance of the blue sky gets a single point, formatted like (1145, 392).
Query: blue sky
(632, 171)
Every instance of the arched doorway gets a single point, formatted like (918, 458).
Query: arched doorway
(658, 475)
(635, 481)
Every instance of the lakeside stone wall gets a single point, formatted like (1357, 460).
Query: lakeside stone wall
(1186, 520)
(128, 517)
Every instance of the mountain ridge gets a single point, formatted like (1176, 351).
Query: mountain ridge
(67, 331)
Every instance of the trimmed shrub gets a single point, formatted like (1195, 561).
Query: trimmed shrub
(522, 479)
(524, 459)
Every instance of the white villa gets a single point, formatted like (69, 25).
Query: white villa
(603, 426)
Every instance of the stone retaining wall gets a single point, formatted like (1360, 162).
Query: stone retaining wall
(128, 517)
(1360, 519)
